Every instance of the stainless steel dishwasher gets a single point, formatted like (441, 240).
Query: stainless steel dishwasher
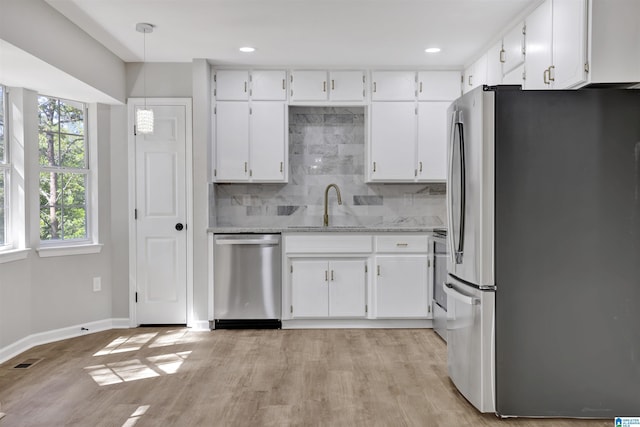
(247, 281)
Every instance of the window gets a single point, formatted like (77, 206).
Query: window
(64, 170)
(4, 171)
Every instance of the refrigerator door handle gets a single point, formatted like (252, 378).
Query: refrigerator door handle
(453, 293)
(450, 235)
(463, 196)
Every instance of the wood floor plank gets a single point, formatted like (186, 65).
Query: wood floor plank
(177, 377)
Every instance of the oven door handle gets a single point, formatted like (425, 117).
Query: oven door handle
(455, 294)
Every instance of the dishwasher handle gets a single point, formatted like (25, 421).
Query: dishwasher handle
(247, 241)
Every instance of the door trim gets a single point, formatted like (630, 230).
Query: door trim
(131, 169)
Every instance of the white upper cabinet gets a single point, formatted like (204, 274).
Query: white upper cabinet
(393, 141)
(538, 47)
(267, 149)
(393, 85)
(569, 48)
(556, 43)
(432, 141)
(345, 85)
(232, 85)
(513, 48)
(494, 65)
(309, 85)
(232, 141)
(476, 74)
(323, 85)
(268, 85)
(439, 85)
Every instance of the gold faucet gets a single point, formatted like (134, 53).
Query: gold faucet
(326, 199)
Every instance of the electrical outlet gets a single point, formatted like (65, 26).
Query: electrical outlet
(97, 284)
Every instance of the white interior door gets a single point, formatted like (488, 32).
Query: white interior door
(161, 211)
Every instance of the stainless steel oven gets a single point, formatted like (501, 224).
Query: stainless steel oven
(439, 303)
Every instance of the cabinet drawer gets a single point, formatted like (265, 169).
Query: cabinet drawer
(305, 243)
(401, 243)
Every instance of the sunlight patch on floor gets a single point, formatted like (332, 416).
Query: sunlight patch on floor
(124, 344)
(171, 338)
(137, 414)
(133, 370)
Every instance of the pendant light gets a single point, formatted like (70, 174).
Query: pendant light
(144, 116)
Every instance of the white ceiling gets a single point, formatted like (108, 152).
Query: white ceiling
(304, 33)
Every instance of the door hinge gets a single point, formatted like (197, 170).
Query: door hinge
(135, 214)
(291, 269)
(215, 92)
(428, 263)
(214, 77)
(366, 308)
(291, 310)
(586, 67)
(215, 110)
(524, 30)
(134, 130)
(136, 297)
(428, 309)
(215, 172)
(366, 269)
(250, 111)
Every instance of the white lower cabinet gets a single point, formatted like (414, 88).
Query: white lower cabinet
(401, 286)
(322, 288)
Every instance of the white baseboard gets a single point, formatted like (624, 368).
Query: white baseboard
(199, 325)
(46, 337)
(357, 323)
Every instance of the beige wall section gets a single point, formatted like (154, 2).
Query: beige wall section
(44, 294)
(38, 29)
(163, 79)
(201, 143)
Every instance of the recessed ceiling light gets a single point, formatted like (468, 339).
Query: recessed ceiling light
(247, 49)
(432, 50)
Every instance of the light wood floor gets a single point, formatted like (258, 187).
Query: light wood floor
(176, 377)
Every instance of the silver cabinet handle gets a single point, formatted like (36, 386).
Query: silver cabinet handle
(326, 276)
(378, 270)
(245, 87)
(324, 86)
(502, 55)
(332, 275)
(245, 167)
(420, 166)
(333, 84)
(552, 74)
(283, 87)
(375, 89)
(374, 166)
(402, 245)
(545, 76)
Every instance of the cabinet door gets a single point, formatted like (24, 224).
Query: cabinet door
(538, 42)
(432, 141)
(393, 141)
(494, 66)
(515, 76)
(393, 85)
(232, 85)
(232, 141)
(476, 75)
(309, 85)
(569, 43)
(439, 85)
(401, 286)
(347, 281)
(269, 85)
(513, 45)
(346, 85)
(268, 141)
(309, 288)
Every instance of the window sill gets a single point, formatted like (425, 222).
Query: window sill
(14, 255)
(93, 248)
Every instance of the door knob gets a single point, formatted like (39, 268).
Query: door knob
(179, 226)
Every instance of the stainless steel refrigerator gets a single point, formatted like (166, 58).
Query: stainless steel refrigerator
(544, 268)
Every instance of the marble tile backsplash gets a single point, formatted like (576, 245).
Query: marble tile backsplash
(327, 145)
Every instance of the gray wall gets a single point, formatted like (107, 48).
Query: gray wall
(37, 28)
(327, 145)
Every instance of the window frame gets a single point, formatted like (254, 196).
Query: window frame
(87, 244)
(5, 168)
